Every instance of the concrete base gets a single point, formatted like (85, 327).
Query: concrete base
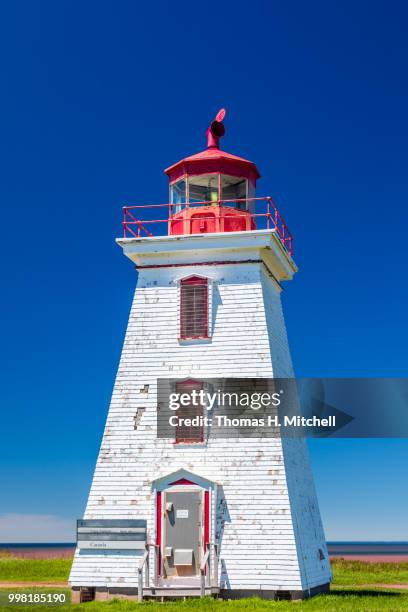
(274, 595)
(104, 594)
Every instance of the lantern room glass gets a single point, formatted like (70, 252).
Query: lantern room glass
(201, 189)
(235, 189)
(178, 194)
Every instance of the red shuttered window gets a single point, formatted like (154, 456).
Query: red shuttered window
(194, 308)
(189, 434)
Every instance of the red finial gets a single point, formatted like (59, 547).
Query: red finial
(216, 130)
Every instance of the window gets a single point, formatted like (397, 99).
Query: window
(178, 195)
(194, 308)
(203, 188)
(234, 188)
(189, 434)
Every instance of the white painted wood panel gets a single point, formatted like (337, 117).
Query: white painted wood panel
(274, 532)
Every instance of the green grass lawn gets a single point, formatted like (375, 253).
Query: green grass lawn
(27, 570)
(347, 600)
(344, 572)
(346, 593)
(360, 572)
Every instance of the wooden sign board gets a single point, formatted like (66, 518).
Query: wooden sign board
(111, 534)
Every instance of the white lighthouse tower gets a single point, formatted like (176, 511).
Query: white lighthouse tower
(197, 514)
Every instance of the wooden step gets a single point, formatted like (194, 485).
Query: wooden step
(177, 591)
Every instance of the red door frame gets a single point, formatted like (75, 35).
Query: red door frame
(181, 481)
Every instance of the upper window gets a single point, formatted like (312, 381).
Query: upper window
(194, 308)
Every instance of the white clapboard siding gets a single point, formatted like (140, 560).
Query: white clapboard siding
(274, 532)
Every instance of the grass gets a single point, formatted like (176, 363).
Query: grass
(18, 569)
(347, 590)
(360, 572)
(337, 601)
(345, 572)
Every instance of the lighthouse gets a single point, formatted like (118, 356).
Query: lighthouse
(192, 513)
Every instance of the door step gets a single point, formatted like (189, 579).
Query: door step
(177, 591)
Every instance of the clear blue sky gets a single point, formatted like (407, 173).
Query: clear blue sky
(96, 99)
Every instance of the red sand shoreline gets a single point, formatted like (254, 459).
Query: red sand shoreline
(63, 552)
(68, 552)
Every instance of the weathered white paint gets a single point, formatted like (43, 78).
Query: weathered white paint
(263, 501)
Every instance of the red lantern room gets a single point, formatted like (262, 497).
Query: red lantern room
(212, 191)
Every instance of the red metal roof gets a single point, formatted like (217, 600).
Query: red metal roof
(213, 160)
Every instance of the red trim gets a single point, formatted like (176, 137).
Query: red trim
(182, 481)
(194, 280)
(159, 529)
(206, 519)
(206, 531)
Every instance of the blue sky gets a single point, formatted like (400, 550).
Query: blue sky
(97, 98)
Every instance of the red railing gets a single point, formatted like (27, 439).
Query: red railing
(136, 218)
